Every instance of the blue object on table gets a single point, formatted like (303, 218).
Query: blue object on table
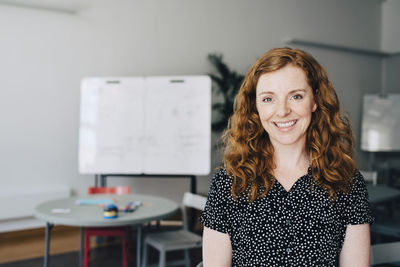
(111, 211)
(94, 201)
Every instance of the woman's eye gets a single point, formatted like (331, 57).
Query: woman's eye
(267, 99)
(297, 97)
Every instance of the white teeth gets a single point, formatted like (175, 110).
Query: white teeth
(285, 124)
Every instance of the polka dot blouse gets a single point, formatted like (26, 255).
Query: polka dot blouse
(298, 227)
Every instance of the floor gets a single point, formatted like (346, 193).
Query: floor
(28, 244)
(105, 256)
(26, 248)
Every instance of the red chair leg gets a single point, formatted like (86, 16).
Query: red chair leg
(122, 232)
(124, 258)
(129, 242)
(86, 250)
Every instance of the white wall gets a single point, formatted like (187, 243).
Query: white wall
(40, 68)
(45, 54)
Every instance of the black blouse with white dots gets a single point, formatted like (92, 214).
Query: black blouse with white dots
(299, 227)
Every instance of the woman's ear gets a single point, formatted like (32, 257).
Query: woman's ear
(314, 108)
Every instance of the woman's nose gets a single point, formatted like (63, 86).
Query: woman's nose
(283, 109)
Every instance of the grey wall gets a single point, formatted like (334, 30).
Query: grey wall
(390, 26)
(391, 43)
(44, 56)
(392, 72)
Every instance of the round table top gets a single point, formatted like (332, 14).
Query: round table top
(153, 208)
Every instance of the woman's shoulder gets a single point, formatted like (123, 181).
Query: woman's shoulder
(221, 180)
(357, 180)
(356, 202)
(357, 185)
(221, 172)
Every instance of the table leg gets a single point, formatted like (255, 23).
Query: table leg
(138, 245)
(82, 245)
(47, 244)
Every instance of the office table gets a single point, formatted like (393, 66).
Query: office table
(153, 208)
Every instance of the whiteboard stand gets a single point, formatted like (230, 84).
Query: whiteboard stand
(103, 178)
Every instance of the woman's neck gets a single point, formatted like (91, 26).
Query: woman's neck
(291, 157)
(291, 163)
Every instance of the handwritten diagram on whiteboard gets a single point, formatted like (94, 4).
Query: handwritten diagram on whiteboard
(150, 125)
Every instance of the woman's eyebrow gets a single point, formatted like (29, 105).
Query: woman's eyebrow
(266, 93)
(272, 93)
(297, 90)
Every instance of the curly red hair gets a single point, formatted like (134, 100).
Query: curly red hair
(249, 154)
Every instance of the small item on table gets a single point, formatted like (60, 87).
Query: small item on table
(110, 211)
(95, 201)
(61, 211)
(132, 206)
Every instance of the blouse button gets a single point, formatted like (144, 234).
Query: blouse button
(288, 222)
(289, 250)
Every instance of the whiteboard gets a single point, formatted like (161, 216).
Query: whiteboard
(145, 125)
(381, 123)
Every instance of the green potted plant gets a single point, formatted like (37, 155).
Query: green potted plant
(227, 84)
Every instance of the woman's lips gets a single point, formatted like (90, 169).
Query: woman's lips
(285, 124)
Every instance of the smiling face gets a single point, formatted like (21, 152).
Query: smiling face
(285, 103)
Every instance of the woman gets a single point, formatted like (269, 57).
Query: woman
(289, 193)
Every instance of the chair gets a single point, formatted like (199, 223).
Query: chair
(179, 239)
(370, 176)
(122, 231)
(385, 253)
(117, 190)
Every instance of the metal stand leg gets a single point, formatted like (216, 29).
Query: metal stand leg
(49, 226)
(193, 184)
(193, 189)
(138, 245)
(144, 255)
(82, 246)
(163, 259)
(187, 258)
(103, 180)
(371, 162)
